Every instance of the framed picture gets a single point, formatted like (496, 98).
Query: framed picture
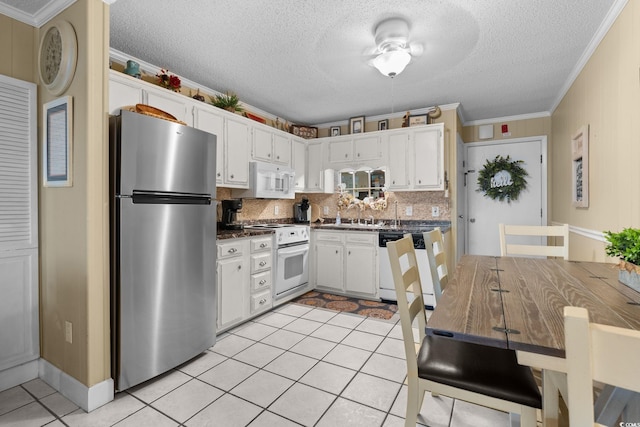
(580, 168)
(418, 120)
(335, 131)
(383, 124)
(356, 124)
(57, 139)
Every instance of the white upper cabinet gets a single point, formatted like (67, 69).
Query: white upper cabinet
(206, 120)
(236, 148)
(428, 155)
(170, 102)
(123, 91)
(353, 150)
(271, 145)
(299, 163)
(315, 172)
(416, 158)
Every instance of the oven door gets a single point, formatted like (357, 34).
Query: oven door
(292, 269)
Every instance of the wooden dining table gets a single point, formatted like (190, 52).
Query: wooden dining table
(517, 303)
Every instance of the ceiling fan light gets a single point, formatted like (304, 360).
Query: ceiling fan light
(392, 62)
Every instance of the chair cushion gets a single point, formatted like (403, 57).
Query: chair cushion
(479, 368)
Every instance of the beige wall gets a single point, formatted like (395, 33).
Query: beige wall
(73, 221)
(605, 96)
(18, 49)
(517, 129)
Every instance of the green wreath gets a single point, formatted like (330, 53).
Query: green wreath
(502, 179)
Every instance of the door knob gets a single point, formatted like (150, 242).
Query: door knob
(472, 220)
(460, 216)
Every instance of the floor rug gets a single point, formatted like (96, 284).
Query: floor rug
(363, 307)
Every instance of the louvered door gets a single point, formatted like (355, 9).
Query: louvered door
(18, 224)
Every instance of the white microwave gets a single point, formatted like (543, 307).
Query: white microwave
(268, 181)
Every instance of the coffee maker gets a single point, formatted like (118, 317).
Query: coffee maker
(230, 209)
(301, 211)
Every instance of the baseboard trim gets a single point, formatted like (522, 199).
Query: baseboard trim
(17, 375)
(88, 398)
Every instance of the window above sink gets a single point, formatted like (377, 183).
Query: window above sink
(362, 183)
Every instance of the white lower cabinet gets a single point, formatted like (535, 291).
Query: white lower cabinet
(244, 279)
(346, 263)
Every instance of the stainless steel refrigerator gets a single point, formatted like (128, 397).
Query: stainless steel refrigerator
(163, 245)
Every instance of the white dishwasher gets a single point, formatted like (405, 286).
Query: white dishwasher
(387, 289)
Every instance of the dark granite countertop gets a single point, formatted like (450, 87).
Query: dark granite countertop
(247, 232)
(404, 227)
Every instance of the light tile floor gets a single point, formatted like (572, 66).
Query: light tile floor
(296, 365)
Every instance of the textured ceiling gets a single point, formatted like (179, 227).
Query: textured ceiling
(306, 61)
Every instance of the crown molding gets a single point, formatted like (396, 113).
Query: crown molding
(425, 110)
(606, 24)
(52, 9)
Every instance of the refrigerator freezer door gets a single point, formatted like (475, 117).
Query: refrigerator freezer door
(158, 155)
(167, 292)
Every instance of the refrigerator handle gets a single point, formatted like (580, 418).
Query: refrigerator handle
(158, 198)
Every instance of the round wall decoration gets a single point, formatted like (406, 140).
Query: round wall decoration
(502, 179)
(57, 57)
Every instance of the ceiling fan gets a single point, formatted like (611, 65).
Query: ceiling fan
(393, 50)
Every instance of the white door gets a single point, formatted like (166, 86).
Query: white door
(483, 213)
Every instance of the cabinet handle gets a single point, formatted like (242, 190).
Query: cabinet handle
(349, 252)
(239, 267)
(358, 154)
(231, 176)
(263, 263)
(419, 181)
(263, 245)
(393, 182)
(336, 251)
(262, 282)
(263, 300)
(232, 250)
(269, 155)
(218, 173)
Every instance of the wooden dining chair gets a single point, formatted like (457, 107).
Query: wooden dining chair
(507, 248)
(600, 353)
(434, 244)
(475, 373)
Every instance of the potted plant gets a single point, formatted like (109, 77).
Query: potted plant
(626, 246)
(227, 101)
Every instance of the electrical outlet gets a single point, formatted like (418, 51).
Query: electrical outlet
(68, 332)
(435, 211)
(276, 210)
(408, 211)
(325, 210)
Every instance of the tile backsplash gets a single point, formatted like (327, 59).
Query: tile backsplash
(421, 203)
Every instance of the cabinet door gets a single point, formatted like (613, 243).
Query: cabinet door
(261, 147)
(169, 102)
(341, 151)
(397, 174)
(123, 93)
(209, 122)
(315, 176)
(299, 163)
(360, 269)
(329, 272)
(232, 291)
(19, 307)
(281, 149)
(428, 159)
(236, 148)
(366, 148)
